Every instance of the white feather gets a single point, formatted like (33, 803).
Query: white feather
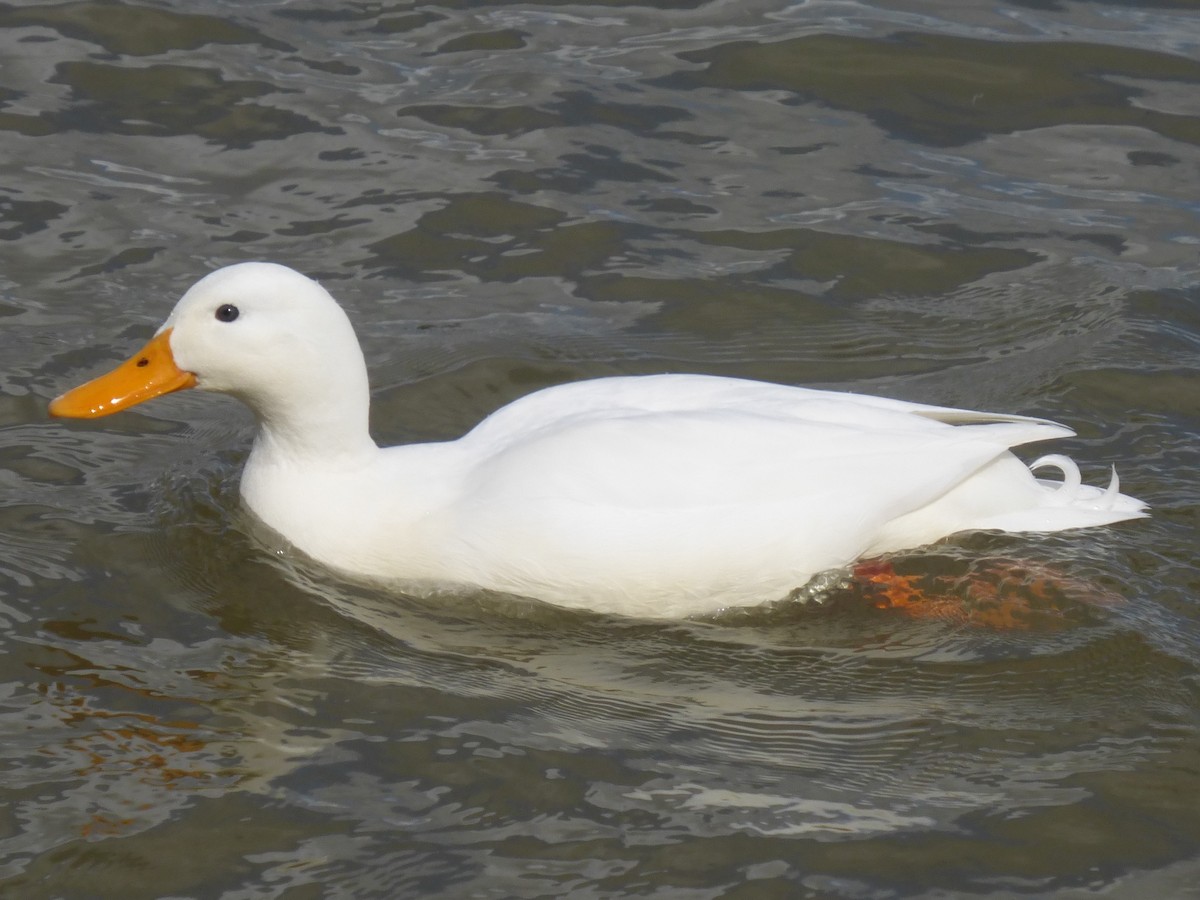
(656, 496)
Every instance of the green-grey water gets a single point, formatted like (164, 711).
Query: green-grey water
(990, 205)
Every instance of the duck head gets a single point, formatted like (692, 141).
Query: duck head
(264, 333)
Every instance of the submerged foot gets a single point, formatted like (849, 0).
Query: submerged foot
(992, 593)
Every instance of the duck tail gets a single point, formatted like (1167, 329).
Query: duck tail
(1069, 503)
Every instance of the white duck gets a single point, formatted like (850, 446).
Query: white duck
(661, 495)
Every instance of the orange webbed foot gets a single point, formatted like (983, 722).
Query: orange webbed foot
(994, 593)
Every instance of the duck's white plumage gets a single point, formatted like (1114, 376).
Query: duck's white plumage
(660, 495)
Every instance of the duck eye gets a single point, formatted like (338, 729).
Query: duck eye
(227, 312)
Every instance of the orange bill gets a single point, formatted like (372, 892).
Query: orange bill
(150, 373)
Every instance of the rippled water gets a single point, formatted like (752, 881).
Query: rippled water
(991, 205)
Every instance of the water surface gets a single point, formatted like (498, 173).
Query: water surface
(986, 205)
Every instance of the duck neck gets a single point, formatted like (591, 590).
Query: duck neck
(328, 428)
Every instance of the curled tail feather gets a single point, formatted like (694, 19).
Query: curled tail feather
(1069, 503)
(1072, 492)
